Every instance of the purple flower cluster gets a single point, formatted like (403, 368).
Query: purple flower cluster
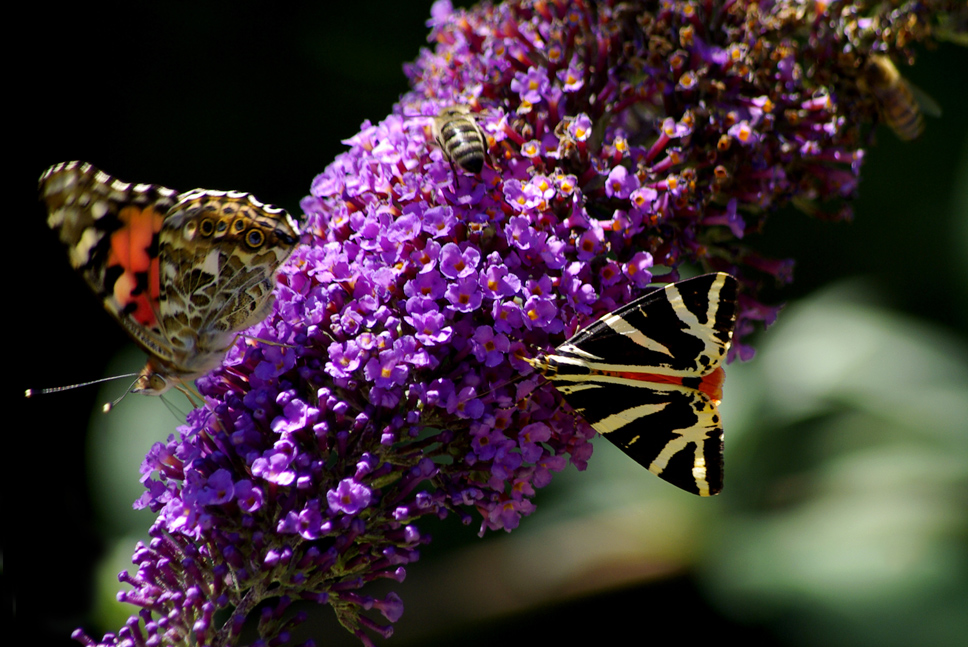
(621, 136)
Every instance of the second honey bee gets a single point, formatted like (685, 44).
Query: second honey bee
(900, 109)
(460, 138)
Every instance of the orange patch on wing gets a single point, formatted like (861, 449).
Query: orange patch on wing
(144, 306)
(130, 249)
(130, 244)
(711, 384)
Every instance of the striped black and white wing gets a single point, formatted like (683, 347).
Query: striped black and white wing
(648, 377)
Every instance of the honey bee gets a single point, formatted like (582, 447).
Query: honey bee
(460, 138)
(899, 103)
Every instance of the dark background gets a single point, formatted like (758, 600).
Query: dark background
(232, 95)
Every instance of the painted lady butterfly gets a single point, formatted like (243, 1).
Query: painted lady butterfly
(183, 273)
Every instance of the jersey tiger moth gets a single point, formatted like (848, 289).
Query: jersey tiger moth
(647, 376)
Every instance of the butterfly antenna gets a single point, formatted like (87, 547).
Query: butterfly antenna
(108, 406)
(29, 393)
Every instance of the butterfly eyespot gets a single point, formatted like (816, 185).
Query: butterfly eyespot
(188, 231)
(221, 227)
(238, 225)
(206, 227)
(255, 238)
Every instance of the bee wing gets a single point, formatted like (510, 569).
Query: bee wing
(928, 105)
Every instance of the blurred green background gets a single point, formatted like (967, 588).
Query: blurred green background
(845, 515)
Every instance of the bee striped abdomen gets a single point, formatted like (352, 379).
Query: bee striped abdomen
(460, 138)
(901, 112)
(898, 106)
